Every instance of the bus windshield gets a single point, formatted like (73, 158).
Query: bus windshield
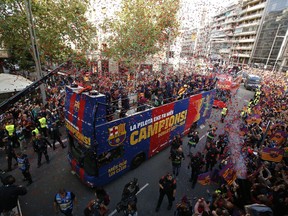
(86, 158)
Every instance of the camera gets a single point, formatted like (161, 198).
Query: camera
(128, 195)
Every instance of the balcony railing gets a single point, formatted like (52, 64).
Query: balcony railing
(249, 17)
(243, 48)
(253, 8)
(245, 33)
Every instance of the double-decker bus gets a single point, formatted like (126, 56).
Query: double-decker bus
(101, 150)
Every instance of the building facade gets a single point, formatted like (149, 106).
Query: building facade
(248, 22)
(270, 50)
(222, 32)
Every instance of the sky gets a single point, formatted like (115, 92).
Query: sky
(192, 10)
(190, 15)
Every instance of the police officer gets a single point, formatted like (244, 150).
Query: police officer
(211, 135)
(64, 201)
(11, 132)
(176, 143)
(56, 135)
(250, 103)
(35, 132)
(40, 147)
(167, 186)
(223, 114)
(10, 153)
(243, 114)
(211, 157)
(24, 165)
(21, 138)
(43, 125)
(193, 141)
(176, 158)
(196, 164)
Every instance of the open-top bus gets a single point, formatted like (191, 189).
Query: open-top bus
(100, 151)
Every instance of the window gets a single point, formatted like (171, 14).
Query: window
(171, 54)
(85, 157)
(109, 156)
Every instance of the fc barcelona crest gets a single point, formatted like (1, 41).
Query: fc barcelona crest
(117, 134)
(77, 106)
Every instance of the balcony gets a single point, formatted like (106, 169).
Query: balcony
(245, 33)
(228, 27)
(223, 51)
(249, 17)
(254, 8)
(250, 40)
(243, 48)
(250, 2)
(248, 24)
(220, 18)
(243, 55)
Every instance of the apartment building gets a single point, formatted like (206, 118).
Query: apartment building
(188, 42)
(270, 50)
(248, 21)
(222, 32)
(203, 42)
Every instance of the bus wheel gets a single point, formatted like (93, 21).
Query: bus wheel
(137, 160)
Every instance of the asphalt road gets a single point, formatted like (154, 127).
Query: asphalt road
(50, 177)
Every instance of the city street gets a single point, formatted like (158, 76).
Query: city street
(50, 177)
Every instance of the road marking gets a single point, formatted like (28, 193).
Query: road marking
(64, 140)
(203, 136)
(115, 211)
(146, 185)
(202, 126)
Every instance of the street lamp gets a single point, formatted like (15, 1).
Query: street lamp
(35, 47)
(167, 31)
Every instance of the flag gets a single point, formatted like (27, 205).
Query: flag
(204, 178)
(279, 137)
(254, 119)
(272, 154)
(228, 173)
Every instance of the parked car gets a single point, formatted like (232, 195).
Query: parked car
(252, 82)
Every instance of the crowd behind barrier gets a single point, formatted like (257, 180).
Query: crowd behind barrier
(264, 146)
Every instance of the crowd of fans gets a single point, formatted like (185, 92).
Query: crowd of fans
(259, 186)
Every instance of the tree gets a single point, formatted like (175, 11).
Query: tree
(141, 29)
(61, 28)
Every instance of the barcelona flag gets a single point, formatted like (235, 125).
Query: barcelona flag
(279, 137)
(254, 119)
(204, 178)
(272, 154)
